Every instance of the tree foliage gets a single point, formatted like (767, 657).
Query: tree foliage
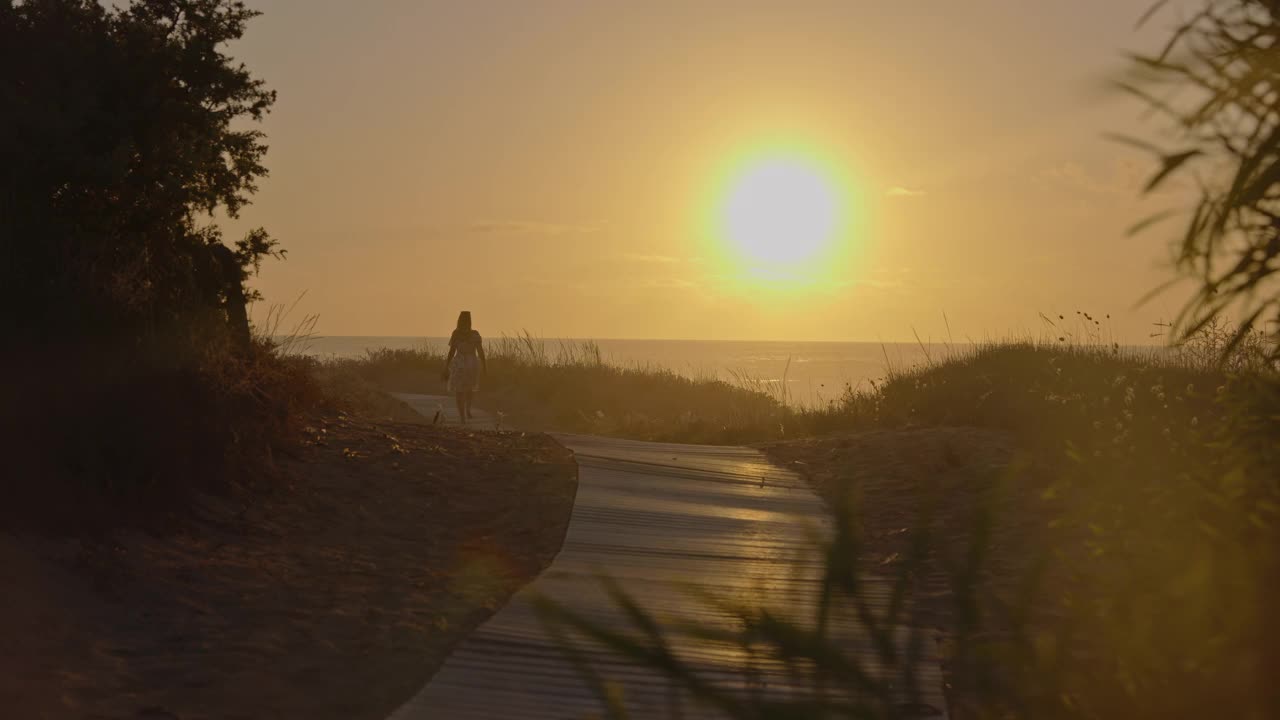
(1218, 79)
(123, 131)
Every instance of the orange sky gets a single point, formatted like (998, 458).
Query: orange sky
(545, 164)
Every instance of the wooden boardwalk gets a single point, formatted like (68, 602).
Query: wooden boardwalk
(656, 517)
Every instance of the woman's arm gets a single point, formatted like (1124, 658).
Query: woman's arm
(448, 359)
(484, 363)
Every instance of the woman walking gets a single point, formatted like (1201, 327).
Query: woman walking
(464, 364)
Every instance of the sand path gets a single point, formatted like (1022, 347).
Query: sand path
(655, 517)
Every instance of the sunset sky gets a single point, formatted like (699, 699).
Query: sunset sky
(564, 167)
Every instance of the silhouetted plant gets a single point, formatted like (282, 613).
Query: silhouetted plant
(125, 129)
(123, 132)
(1218, 80)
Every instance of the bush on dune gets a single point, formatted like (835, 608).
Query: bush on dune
(126, 130)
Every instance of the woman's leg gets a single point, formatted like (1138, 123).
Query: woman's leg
(469, 397)
(459, 398)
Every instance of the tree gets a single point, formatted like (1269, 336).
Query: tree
(1218, 79)
(122, 133)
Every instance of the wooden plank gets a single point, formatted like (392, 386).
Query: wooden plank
(657, 517)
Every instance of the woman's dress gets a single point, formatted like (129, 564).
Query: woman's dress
(464, 369)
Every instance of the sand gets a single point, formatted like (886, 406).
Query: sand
(335, 595)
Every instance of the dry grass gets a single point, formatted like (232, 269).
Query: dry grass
(1026, 385)
(568, 386)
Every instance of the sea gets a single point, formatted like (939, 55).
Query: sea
(805, 373)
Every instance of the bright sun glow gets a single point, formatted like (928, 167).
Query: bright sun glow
(782, 218)
(780, 213)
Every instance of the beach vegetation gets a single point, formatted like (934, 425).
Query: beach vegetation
(127, 132)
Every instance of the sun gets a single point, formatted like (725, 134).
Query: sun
(779, 217)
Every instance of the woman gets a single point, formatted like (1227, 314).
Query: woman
(465, 363)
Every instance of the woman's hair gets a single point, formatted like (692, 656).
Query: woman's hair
(464, 320)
